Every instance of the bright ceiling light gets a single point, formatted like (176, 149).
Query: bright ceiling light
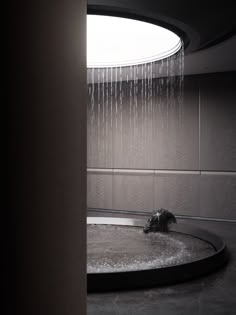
(114, 41)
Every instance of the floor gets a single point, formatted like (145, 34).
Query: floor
(214, 294)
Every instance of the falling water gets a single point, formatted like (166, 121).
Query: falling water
(128, 107)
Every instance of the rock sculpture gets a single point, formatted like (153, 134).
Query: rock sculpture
(160, 221)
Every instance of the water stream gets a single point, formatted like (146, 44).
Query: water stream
(127, 108)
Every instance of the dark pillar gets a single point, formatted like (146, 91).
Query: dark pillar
(47, 155)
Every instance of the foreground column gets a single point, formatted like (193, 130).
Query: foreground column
(47, 155)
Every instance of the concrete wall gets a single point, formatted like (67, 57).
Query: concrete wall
(47, 157)
(181, 157)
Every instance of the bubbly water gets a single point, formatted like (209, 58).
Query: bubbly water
(124, 248)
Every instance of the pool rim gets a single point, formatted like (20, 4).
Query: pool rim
(148, 278)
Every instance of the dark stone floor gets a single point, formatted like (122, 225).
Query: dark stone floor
(210, 295)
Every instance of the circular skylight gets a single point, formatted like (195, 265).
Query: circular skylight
(114, 41)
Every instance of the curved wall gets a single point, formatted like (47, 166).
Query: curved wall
(189, 168)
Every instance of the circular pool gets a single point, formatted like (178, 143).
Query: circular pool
(121, 256)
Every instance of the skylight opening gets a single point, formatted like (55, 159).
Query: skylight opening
(119, 42)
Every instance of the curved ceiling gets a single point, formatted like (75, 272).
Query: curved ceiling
(205, 28)
(200, 21)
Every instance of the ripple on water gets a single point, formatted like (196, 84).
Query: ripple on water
(124, 248)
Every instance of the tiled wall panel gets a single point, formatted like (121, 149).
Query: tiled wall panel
(176, 133)
(99, 190)
(133, 192)
(177, 192)
(218, 122)
(218, 196)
